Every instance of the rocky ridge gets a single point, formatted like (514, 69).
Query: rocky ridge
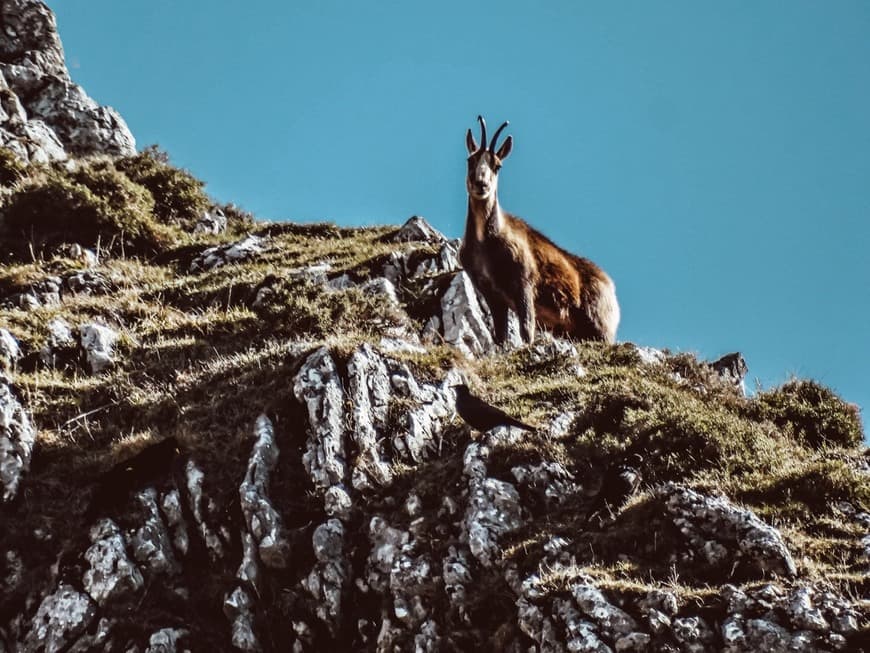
(248, 442)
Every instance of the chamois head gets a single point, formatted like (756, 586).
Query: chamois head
(484, 163)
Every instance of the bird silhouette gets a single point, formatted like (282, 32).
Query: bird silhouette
(620, 481)
(482, 416)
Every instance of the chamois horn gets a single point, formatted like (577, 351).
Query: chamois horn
(497, 134)
(482, 132)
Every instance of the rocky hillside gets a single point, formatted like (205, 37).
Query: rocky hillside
(223, 434)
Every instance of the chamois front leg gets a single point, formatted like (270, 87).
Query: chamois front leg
(526, 311)
(498, 308)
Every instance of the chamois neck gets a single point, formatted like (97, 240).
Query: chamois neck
(484, 215)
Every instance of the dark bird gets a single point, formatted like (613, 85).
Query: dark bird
(619, 482)
(482, 416)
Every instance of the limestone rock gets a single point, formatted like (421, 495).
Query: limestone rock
(464, 322)
(261, 518)
(213, 221)
(724, 533)
(47, 115)
(416, 228)
(111, 575)
(151, 543)
(60, 619)
(98, 344)
(220, 255)
(59, 346)
(10, 351)
(318, 386)
(327, 580)
(17, 437)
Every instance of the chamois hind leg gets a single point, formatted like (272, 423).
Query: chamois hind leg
(526, 311)
(498, 308)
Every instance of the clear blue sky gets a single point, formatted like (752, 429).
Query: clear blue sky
(713, 157)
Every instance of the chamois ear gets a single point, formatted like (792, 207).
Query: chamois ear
(505, 149)
(469, 142)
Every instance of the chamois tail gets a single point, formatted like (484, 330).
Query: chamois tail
(603, 309)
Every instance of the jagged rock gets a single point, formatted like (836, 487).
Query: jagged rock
(318, 386)
(693, 633)
(611, 620)
(723, 532)
(549, 479)
(165, 640)
(59, 343)
(87, 282)
(417, 229)
(239, 609)
(17, 437)
(381, 286)
(98, 344)
(10, 351)
(151, 543)
(213, 221)
(171, 507)
(580, 634)
(732, 369)
(493, 508)
(59, 620)
(78, 253)
(220, 255)
(633, 642)
(111, 575)
(54, 115)
(262, 520)
(650, 355)
(421, 428)
(369, 391)
(463, 320)
(327, 580)
(199, 507)
(803, 613)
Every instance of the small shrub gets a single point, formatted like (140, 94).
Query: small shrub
(94, 202)
(11, 167)
(810, 413)
(178, 196)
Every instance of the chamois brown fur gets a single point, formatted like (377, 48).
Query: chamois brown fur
(516, 267)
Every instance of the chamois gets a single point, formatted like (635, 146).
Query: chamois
(516, 267)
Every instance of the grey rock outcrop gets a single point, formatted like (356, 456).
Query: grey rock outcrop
(724, 534)
(10, 351)
(242, 250)
(416, 228)
(98, 345)
(60, 619)
(17, 437)
(261, 518)
(45, 116)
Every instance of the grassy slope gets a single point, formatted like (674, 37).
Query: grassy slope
(198, 363)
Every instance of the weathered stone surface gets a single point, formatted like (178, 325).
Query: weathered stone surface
(261, 518)
(59, 344)
(45, 115)
(416, 228)
(370, 392)
(59, 620)
(98, 344)
(165, 640)
(220, 255)
(10, 351)
(17, 437)
(151, 543)
(200, 507)
(318, 386)
(464, 322)
(213, 221)
(239, 609)
(724, 533)
(329, 577)
(732, 369)
(111, 575)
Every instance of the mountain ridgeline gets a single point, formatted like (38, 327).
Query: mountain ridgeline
(225, 434)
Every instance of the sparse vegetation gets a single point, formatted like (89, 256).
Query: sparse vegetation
(179, 197)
